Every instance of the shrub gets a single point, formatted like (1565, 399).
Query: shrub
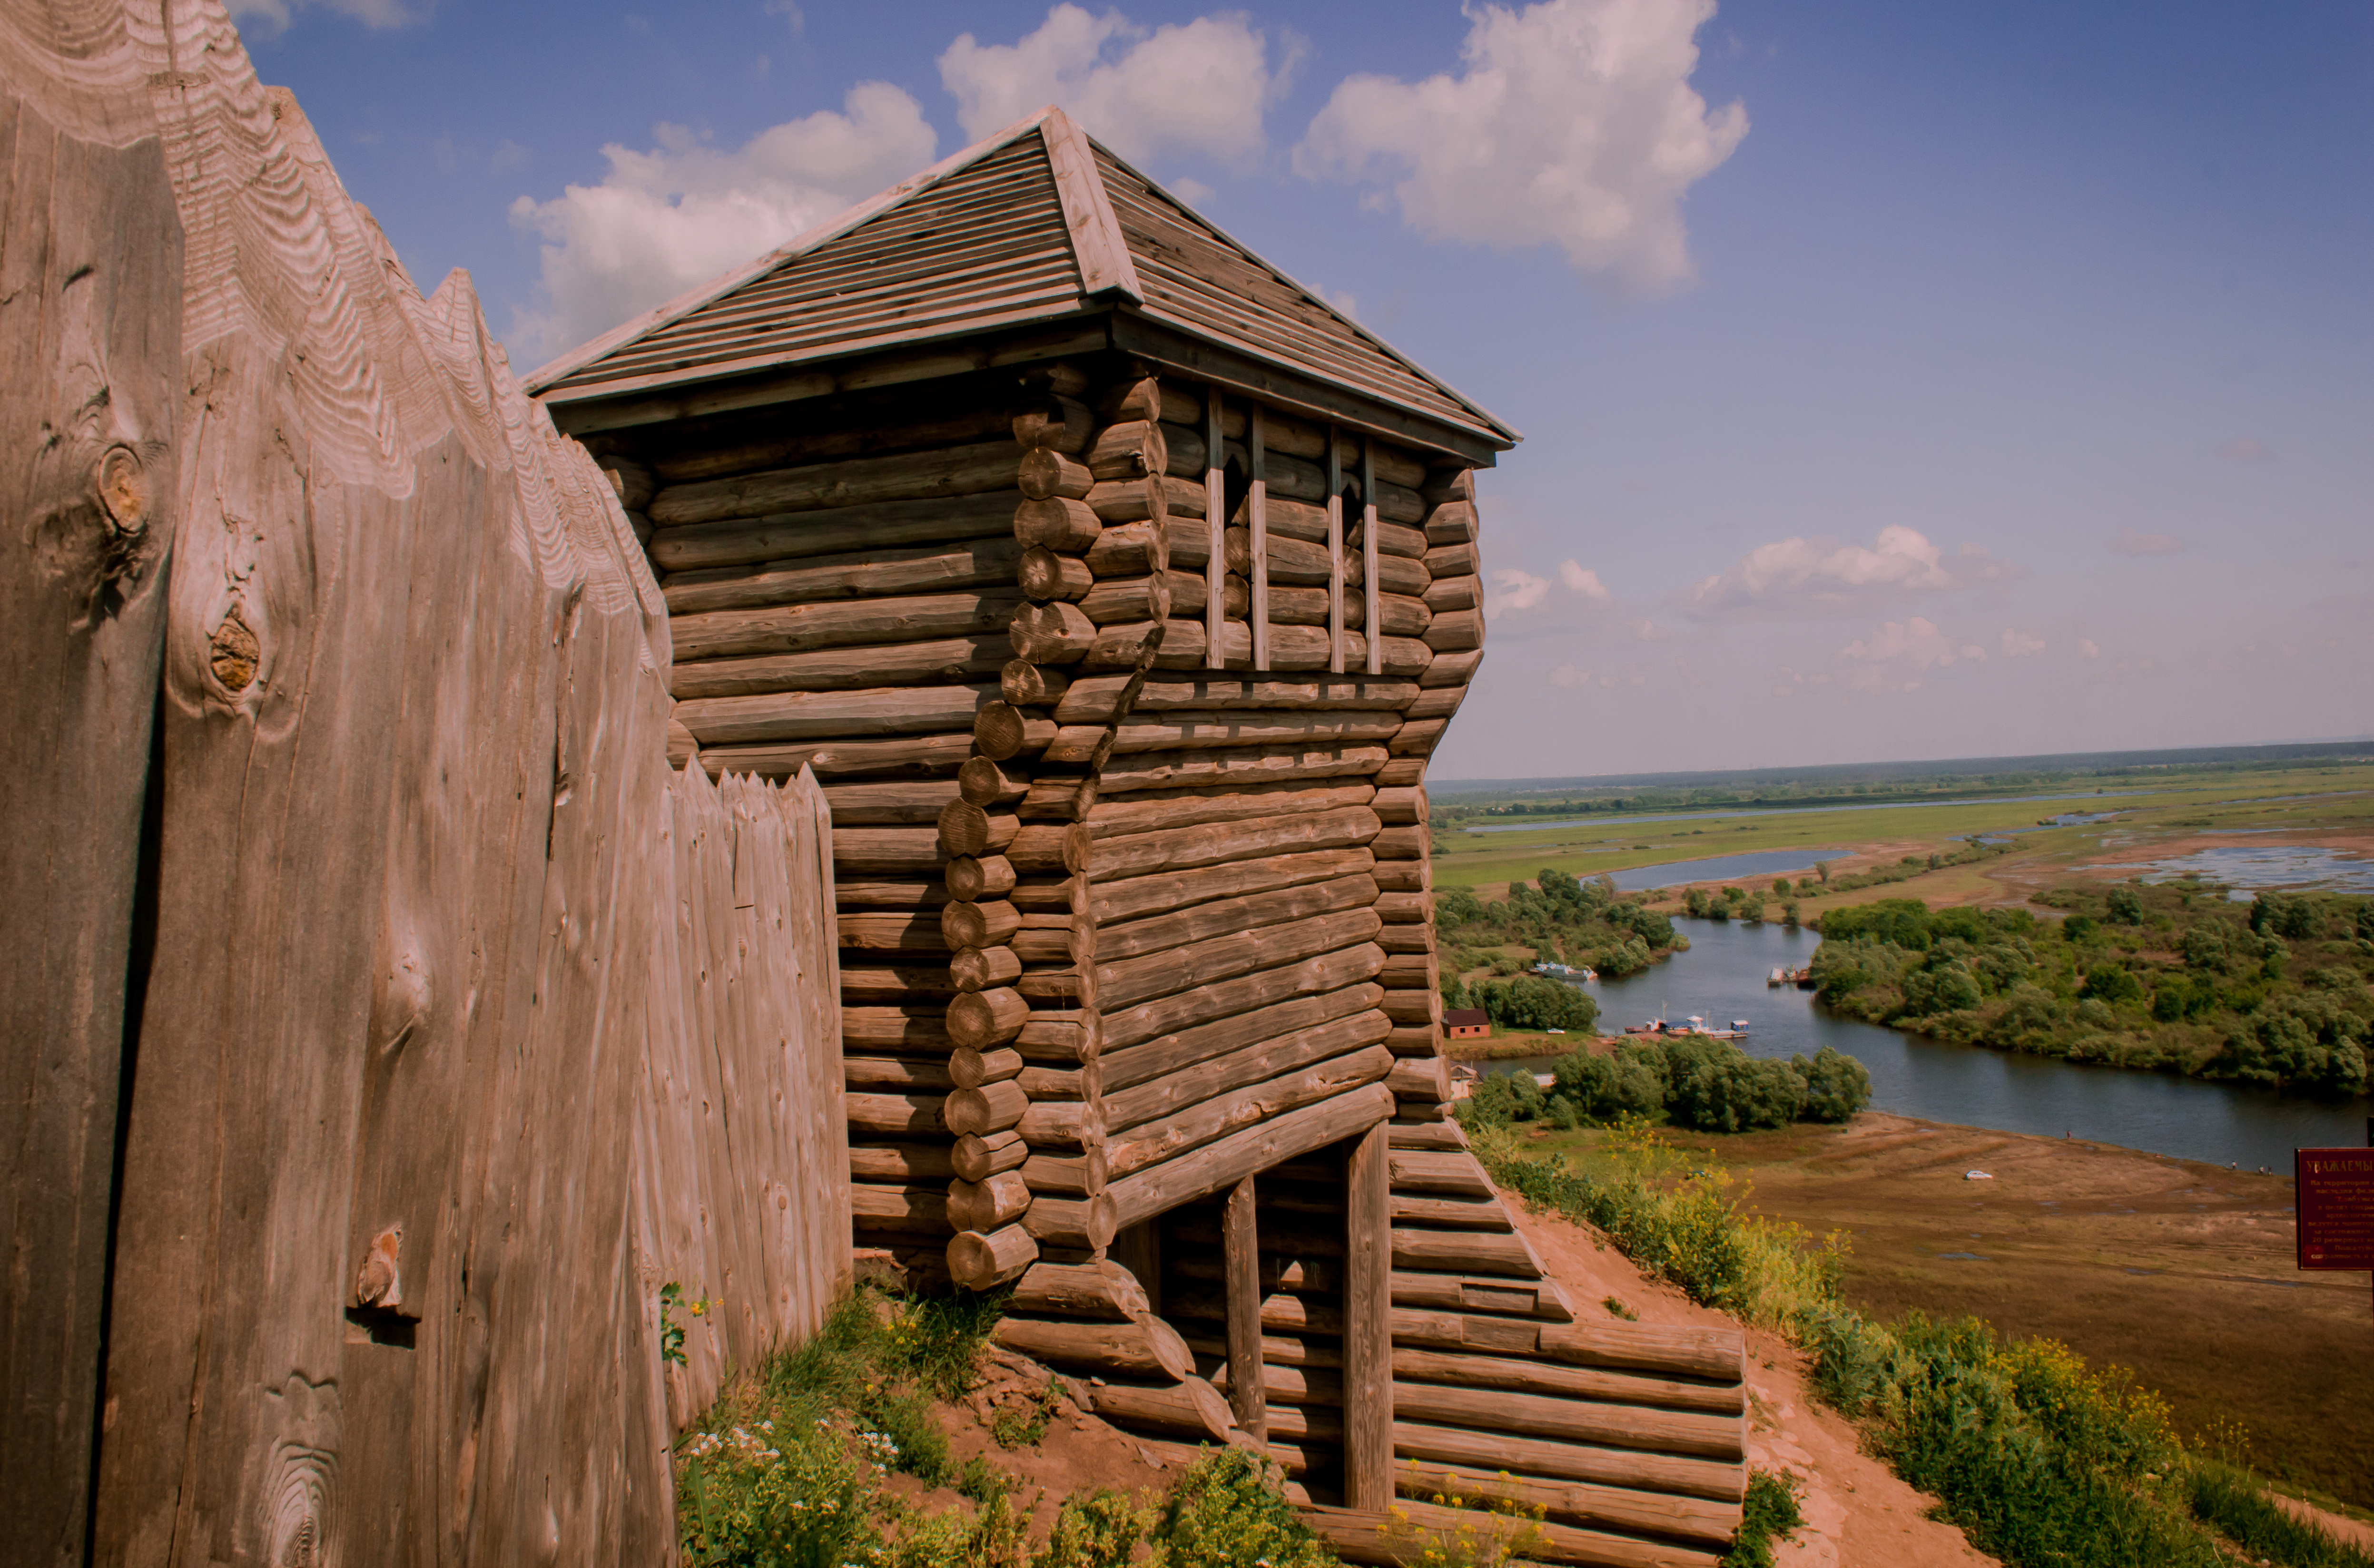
(1837, 1086)
(1769, 1513)
(1604, 1088)
(1537, 1003)
(2225, 1498)
(1739, 1093)
(1226, 1512)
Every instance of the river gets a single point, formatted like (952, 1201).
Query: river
(1721, 977)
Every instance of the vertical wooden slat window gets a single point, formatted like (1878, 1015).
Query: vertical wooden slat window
(1215, 522)
(1257, 520)
(1375, 624)
(1335, 552)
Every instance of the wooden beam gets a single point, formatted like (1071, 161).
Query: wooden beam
(1335, 552)
(1096, 243)
(1368, 1324)
(1257, 519)
(1216, 522)
(1240, 1250)
(1370, 586)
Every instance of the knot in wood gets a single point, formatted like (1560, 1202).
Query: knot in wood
(123, 484)
(233, 651)
(381, 1279)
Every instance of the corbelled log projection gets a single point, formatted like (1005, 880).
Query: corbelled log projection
(447, 1026)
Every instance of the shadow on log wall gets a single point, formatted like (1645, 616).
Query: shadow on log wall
(468, 1025)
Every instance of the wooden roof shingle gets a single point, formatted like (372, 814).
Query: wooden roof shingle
(1035, 222)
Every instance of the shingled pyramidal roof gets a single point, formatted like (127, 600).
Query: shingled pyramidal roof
(1037, 223)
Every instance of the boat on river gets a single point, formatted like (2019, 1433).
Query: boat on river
(1565, 971)
(1779, 978)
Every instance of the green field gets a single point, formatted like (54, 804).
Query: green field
(2335, 803)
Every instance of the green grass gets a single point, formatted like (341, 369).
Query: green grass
(1770, 1513)
(2231, 1502)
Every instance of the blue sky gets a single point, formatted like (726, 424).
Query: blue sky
(1899, 381)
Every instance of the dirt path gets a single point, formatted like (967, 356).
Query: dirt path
(1857, 1513)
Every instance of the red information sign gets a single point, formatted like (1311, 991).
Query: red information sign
(2336, 1207)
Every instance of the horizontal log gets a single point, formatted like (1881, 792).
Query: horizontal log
(1046, 574)
(1428, 1079)
(1064, 527)
(1418, 737)
(1095, 699)
(1186, 1010)
(893, 1115)
(909, 1031)
(1451, 670)
(875, 573)
(882, 526)
(1454, 561)
(984, 968)
(1026, 685)
(1141, 1347)
(878, 1207)
(1499, 1407)
(1246, 729)
(1230, 768)
(1059, 988)
(981, 1262)
(891, 931)
(877, 983)
(1132, 899)
(910, 430)
(1609, 1507)
(1460, 631)
(1051, 634)
(978, 925)
(971, 1069)
(986, 1205)
(1221, 1111)
(913, 756)
(1130, 449)
(1102, 1290)
(1404, 876)
(1402, 806)
(1420, 971)
(900, 803)
(1063, 1125)
(1454, 1172)
(1447, 594)
(1256, 1148)
(887, 849)
(1292, 562)
(1049, 476)
(971, 878)
(970, 831)
(1430, 1444)
(1204, 921)
(939, 661)
(1130, 601)
(1409, 843)
(1133, 549)
(1441, 702)
(844, 623)
(990, 1109)
(906, 1073)
(1058, 1037)
(1192, 1409)
(906, 476)
(1449, 1136)
(1073, 1221)
(982, 1020)
(977, 1156)
(983, 783)
(1049, 849)
(1159, 1065)
(806, 716)
(1183, 848)
(1003, 731)
(1140, 501)
(1131, 981)
(1356, 1536)
(1451, 524)
(1467, 1252)
(1067, 1176)
(1663, 1391)
(1059, 424)
(1267, 1059)
(1715, 1354)
(900, 1163)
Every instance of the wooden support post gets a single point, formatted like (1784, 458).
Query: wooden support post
(1240, 1253)
(1257, 520)
(1374, 625)
(1215, 522)
(1334, 552)
(1368, 1322)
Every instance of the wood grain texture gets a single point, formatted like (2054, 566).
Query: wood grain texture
(90, 290)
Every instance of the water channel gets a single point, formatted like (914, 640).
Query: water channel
(1722, 977)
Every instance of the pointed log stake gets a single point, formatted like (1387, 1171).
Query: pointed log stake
(1367, 1332)
(1241, 1249)
(981, 1262)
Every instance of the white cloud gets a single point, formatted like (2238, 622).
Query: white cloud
(1826, 575)
(1900, 654)
(1198, 87)
(1343, 301)
(665, 220)
(2134, 542)
(1566, 677)
(1649, 631)
(2089, 649)
(269, 18)
(1571, 123)
(2018, 644)
(1585, 582)
(1512, 587)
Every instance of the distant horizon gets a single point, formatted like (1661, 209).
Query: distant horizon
(1906, 768)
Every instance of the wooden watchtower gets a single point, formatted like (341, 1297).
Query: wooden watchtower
(1118, 588)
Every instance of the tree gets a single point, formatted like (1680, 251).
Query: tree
(1606, 1087)
(1457, 906)
(1780, 887)
(1738, 1094)
(1836, 1086)
(2110, 983)
(1536, 1002)
(2126, 908)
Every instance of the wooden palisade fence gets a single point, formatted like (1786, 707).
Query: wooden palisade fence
(389, 1023)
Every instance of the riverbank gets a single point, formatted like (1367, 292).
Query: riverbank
(2180, 1271)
